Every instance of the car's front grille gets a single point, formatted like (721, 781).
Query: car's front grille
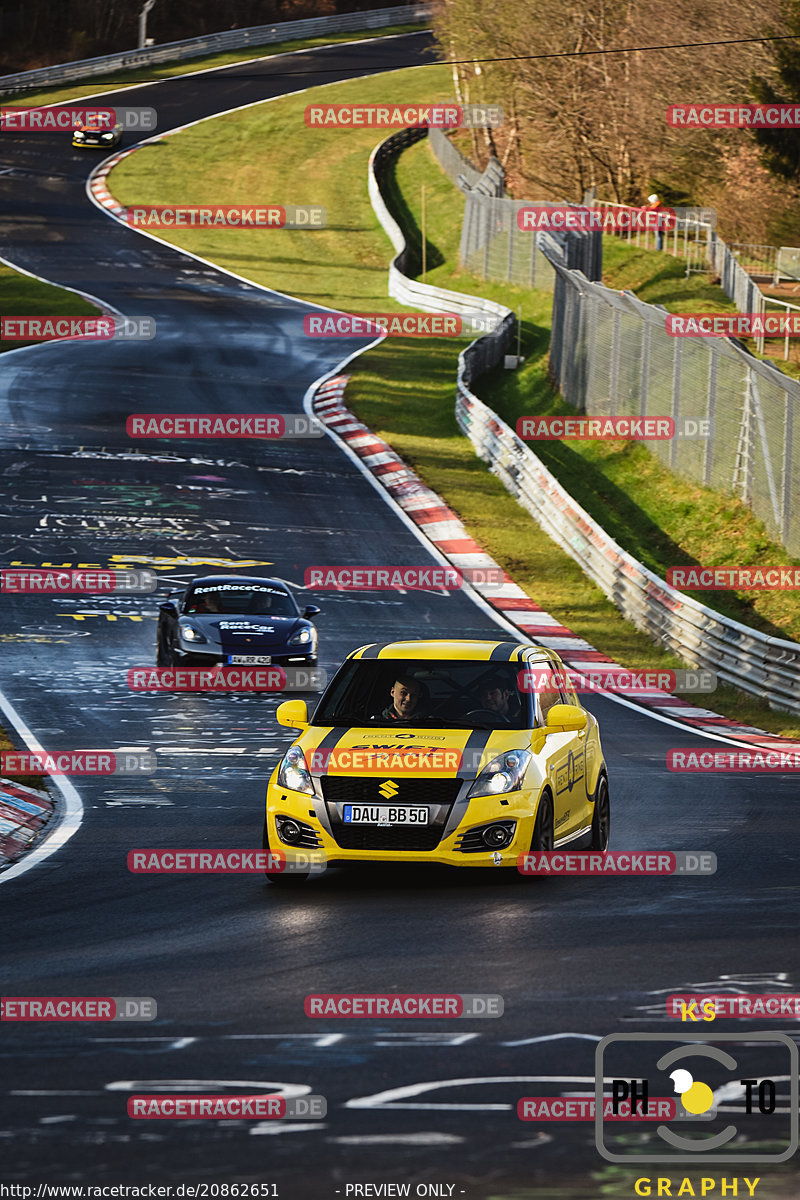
(349, 789)
(436, 794)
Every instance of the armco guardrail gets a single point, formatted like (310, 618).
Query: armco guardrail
(764, 666)
(213, 43)
(422, 295)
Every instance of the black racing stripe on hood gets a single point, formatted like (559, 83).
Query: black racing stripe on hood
(329, 742)
(471, 754)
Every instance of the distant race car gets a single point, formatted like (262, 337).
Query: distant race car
(94, 136)
(235, 619)
(464, 753)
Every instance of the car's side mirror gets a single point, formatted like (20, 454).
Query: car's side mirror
(311, 610)
(565, 718)
(293, 714)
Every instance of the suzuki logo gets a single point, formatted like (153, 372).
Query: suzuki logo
(388, 790)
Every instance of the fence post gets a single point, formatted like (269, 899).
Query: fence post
(710, 408)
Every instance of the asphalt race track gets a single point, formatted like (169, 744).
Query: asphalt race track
(229, 960)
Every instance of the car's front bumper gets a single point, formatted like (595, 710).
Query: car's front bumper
(197, 657)
(518, 807)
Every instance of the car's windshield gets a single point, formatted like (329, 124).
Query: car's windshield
(461, 694)
(240, 600)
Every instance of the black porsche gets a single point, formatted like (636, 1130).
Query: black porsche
(235, 619)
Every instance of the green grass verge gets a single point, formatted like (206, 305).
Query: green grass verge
(21, 296)
(404, 389)
(123, 78)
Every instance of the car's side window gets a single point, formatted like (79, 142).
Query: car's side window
(546, 688)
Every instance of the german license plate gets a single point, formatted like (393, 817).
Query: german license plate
(250, 660)
(374, 814)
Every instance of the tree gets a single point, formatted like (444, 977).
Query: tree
(780, 148)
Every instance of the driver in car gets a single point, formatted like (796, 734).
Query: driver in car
(496, 696)
(407, 696)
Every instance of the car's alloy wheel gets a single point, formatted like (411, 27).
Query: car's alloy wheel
(543, 836)
(601, 821)
(282, 878)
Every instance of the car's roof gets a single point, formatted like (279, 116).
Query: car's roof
(452, 648)
(244, 580)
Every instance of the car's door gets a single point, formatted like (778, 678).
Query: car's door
(565, 754)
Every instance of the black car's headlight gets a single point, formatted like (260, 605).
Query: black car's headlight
(503, 774)
(106, 136)
(301, 638)
(293, 772)
(77, 136)
(188, 632)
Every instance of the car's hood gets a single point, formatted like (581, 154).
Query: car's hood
(374, 751)
(244, 631)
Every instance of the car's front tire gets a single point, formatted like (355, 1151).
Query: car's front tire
(601, 821)
(281, 878)
(543, 832)
(165, 648)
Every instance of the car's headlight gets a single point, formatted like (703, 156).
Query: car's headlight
(301, 637)
(503, 774)
(78, 136)
(189, 633)
(293, 772)
(106, 136)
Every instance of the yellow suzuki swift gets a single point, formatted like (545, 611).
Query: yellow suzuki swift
(461, 753)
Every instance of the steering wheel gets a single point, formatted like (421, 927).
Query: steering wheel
(490, 713)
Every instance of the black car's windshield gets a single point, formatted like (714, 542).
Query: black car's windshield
(461, 694)
(240, 600)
